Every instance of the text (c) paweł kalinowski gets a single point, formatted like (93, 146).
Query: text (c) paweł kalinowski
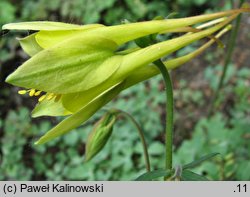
(61, 188)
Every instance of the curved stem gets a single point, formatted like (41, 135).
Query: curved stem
(141, 135)
(170, 113)
(231, 45)
(232, 3)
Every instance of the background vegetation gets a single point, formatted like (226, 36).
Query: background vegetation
(227, 131)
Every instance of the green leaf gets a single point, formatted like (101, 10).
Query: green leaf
(156, 148)
(149, 176)
(199, 161)
(242, 170)
(8, 10)
(80, 117)
(188, 175)
(74, 65)
(30, 45)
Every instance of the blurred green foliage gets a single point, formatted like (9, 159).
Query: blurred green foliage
(122, 157)
(229, 137)
(92, 11)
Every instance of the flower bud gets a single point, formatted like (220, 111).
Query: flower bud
(99, 136)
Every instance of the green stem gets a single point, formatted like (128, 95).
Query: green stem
(141, 135)
(232, 3)
(169, 115)
(231, 45)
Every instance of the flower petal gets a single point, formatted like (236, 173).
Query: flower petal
(137, 75)
(74, 65)
(81, 116)
(30, 45)
(151, 70)
(131, 31)
(82, 99)
(45, 25)
(49, 108)
(151, 53)
(48, 39)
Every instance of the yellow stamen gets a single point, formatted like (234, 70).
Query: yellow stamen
(42, 98)
(22, 91)
(32, 92)
(57, 98)
(38, 93)
(50, 96)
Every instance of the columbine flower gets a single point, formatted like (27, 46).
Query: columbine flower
(75, 70)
